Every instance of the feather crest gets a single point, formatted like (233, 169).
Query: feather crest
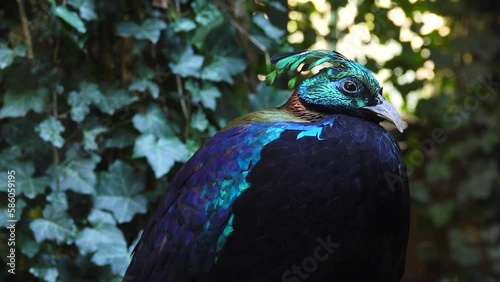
(306, 60)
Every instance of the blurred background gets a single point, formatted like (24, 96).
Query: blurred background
(102, 101)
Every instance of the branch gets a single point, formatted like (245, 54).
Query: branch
(26, 30)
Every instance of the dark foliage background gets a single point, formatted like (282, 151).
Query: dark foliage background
(102, 101)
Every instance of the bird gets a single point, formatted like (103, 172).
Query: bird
(313, 190)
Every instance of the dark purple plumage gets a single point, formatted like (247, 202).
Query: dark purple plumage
(306, 192)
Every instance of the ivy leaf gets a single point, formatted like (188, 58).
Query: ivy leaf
(58, 199)
(4, 214)
(7, 55)
(50, 131)
(46, 274)
(199, 121)
(269, 29)
(161, 153)
(116, 255)
(150, 29)
(117, 191)
(206, 12)
(120, 138)
(188, 64)
(266, 97)
(104, 231)
(76, 172)
(142, 82)
(90, 135)
(80, 101)
(26, 184)
(71, 18)
(153, 122)
(17, 104)
(55, 225)
(207, 95)
(85, 7)
(183, 24)
(114, 99)
(223, 68)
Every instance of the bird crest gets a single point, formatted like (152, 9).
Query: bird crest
(301, 61)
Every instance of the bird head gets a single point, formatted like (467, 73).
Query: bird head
(347, 87)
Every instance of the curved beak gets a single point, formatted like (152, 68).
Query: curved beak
(386, 111)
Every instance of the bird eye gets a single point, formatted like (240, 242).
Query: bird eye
(349, 87)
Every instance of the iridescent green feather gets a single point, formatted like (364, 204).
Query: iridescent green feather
(306, 60)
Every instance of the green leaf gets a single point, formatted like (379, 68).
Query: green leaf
(120, 138)
(183, 24)
(104, 232)
(50, 130)
(153, 121)
(207, 95)
(80, 101)
(269, 29)
(206, 12)
(142, 82)
(47, 274)
(30, 248)
(55, 225)
(114, 99)
(26, 184)
(267, 97)
(17, 104)
(86, 8)
(188, 64)
(58, 199)
(442, 213)
(71, 18)
(117, 191)
(76, 172)
(223, 68)
(161, 153)
(150, 29)
(7, 55)
(5, 214)
(89, 136)
(116, 255)
(199, 121)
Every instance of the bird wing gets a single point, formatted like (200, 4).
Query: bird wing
(193, 220)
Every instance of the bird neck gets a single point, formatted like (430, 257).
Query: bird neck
(295, 107)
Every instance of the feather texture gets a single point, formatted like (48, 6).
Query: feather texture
(314, 190)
